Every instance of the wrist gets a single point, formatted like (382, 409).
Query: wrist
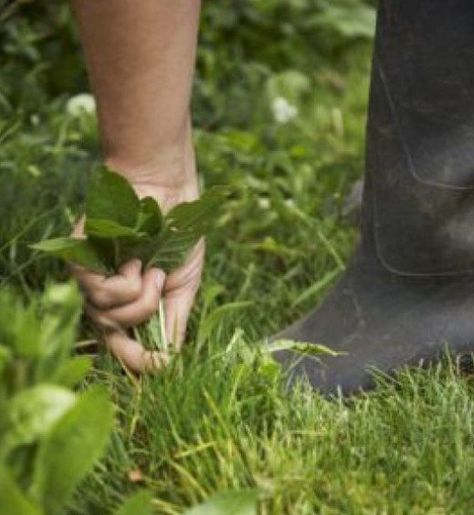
(169, 196)
(168, 166)
(170, 176)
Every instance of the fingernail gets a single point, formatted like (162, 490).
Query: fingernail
(160, 278)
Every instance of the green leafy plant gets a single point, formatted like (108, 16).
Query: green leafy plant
(120, 226)
(50, 435)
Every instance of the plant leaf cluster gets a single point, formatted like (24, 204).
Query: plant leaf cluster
(50, 435)
(120, 226)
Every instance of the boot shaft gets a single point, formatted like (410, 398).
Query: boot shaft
(419, 194)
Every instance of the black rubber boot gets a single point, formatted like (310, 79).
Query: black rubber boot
(408, 293)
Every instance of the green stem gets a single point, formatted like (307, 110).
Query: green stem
(152, 334)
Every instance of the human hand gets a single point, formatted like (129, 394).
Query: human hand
(132, 296)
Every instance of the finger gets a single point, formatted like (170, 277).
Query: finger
(180, 290)
(132, 354)
(108, 292)
(136, 312)
(177, 309)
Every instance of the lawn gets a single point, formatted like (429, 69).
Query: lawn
(219, 418)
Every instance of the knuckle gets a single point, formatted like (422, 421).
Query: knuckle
(98, 319)
(101, 298)
(125, 319)
(113, 322)
(150, 307)
(93, 316)
(135, 289)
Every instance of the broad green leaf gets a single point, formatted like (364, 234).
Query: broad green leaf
(197, 216)
(61, 310)
(300, 347)
(41, 331)
(101, 228)
(114, 252)
(150, 219)
(144, 250)
(172, 251)
(24, 329)
(111, 197)
(71, 448)
(233, 502)
(32, 413)
(119, 227)
(19, 325)
(185, 224)
(137, 504)
(72, 372)
(12, 499)
(109, 251)
(73, 250)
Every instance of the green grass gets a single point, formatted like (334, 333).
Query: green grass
(212, 425)
(217, 419)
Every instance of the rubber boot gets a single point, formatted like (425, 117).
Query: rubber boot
(408, 293)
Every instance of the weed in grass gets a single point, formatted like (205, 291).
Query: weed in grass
(210, 423)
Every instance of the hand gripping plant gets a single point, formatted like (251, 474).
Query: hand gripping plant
(120, 226)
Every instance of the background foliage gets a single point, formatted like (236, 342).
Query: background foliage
(279, 107)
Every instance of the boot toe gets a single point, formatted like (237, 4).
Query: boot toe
(379, 323)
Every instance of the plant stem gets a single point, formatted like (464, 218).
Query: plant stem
(152, 334)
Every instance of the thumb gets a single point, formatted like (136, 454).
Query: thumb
(132, 354)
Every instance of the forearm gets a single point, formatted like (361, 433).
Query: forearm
(140, 58)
